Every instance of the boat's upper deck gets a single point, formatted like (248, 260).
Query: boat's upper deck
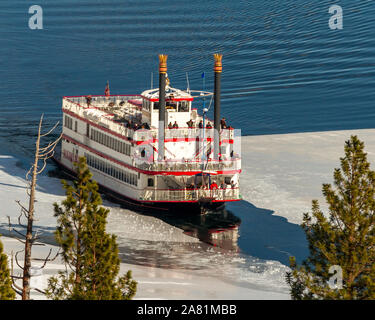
(132, 117)
(126, 114)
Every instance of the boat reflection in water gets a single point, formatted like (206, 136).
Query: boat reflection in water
(219, 228)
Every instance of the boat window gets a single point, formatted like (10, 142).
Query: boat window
(156, 105)
(171, 105)
(109, 169)
(68, 122)
(183, 106)
(146, 104)
(150, 182)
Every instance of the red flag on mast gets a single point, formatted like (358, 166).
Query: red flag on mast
(106, 92)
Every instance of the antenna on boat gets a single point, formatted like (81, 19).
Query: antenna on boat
(218, 68)
(204, 89)
(188, 85)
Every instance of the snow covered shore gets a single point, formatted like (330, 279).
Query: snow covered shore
(282, 173)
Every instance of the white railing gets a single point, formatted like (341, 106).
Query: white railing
(78, 105)
(233, 164)
(102, 101)
(81, 111)
(182, 133)
(191, 194)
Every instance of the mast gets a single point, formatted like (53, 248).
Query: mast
(218, 67)
(162, 83)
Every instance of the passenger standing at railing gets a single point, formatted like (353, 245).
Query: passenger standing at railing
(190, 124)
(170, 126)
(209, 126)
(200, 125)
(213, 186)
(223, 124)
(88, 100)
(233, 187)
(175, 125)
(214, 189)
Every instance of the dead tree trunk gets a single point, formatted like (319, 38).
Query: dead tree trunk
(30, 220)
(41, 154)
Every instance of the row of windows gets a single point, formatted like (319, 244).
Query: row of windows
(68, 122)
(110, 142)
(107, 168)
(146, 104)
(180, 106)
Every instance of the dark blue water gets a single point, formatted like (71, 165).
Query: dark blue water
(284, 69)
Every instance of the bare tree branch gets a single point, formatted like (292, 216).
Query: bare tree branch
(15, 257)
(53, 128)
(47, 258)
(15, 287)
(41, 291)
(11, 229)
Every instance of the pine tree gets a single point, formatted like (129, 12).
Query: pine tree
(346, 238)
(88, 250)
(6, 291)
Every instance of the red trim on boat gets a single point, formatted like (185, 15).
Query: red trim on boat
(174, 99)
(147, 201)
(167, 173)
(74, 115)
(99, 95)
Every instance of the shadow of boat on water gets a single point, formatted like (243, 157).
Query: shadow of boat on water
(267, 236)
(240, 228)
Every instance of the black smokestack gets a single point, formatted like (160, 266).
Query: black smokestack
(218, 67)
(162, 82)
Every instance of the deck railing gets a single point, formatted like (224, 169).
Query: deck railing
(232, 164)
(190, 194)
(182, 133)
(79, 106)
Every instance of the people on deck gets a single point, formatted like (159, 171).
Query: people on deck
(223, 123)
(214, 186)
(209, 126)
(88, 100)
(175, 125)
(208, 153)
(170, 125)
(200, 125)
(190, 124)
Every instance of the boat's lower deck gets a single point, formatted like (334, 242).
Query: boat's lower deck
(195, 203)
